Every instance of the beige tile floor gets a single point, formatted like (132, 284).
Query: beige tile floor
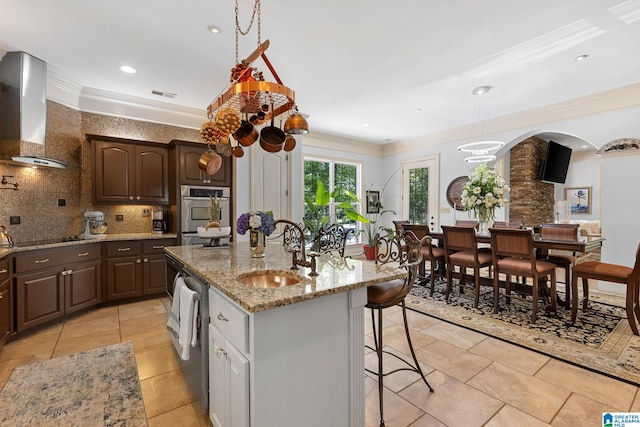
(478, 380)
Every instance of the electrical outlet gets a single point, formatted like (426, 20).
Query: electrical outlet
(14, 220)
(146, 212)
(119, 217)
(62, 202)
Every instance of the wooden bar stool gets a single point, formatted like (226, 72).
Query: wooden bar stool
(608, 273)
(402, 249)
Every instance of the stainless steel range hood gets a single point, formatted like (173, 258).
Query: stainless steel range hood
(23, 110)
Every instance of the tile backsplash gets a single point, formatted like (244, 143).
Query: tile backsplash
(42, 190)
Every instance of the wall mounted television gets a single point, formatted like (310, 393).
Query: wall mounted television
(556, 163)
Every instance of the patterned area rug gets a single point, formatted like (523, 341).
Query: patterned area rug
(600, 340)
(92, 388)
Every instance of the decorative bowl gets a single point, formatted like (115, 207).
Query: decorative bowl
(214, 232)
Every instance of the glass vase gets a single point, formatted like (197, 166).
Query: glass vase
(257, 241)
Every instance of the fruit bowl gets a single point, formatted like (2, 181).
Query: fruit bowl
(214, 232)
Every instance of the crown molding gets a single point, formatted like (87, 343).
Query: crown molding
(62, 90)
(338, 143)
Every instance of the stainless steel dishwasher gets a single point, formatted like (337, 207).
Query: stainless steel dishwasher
(200, 353)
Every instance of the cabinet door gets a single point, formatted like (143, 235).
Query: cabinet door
(82, 286)
(40, 298)
(114, 172)
(228, 382)
(152, 175)
(191, 174)
(124, 278)
(5, 310)
(155, 274)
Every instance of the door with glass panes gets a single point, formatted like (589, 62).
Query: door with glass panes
(420, 185)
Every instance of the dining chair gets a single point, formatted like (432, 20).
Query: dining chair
(557, 231)
(399, 223)
(461, 249)
(514, 255)
(404, 250)
(510, 224)
(333, 239)
(431, 253)
(609, 273)
(466, 223)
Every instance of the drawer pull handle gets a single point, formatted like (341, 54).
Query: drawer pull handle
(222, 318)
(4, 270)
(123, 249)
(38, 261)
(84, 254)
(158, 247)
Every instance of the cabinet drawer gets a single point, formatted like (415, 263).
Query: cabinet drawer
(4, 269)
(124, 248)
(36, 261)
(78, 253)
(156, 246)
(231, 320)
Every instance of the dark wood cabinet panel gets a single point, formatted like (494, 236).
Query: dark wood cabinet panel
(130, 173)
(40, 298)
(189, 172)
(5, 301)
(83, 286)
(124, 278)
(155, 274)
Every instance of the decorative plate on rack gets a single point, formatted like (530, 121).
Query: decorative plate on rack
(454, 192)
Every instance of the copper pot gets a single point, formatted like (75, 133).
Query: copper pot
(289, 143)
(210, 162)
(205, 158)
(271, 148)
(250, 139)
(271, 134)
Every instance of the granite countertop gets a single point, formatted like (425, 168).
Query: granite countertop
(30, 246)
(220, 267)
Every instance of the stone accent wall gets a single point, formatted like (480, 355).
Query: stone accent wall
(531, 200)
(36, 201)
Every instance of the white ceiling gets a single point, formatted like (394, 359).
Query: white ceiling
(349, 62)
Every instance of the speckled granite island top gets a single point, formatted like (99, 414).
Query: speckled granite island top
(220, 267)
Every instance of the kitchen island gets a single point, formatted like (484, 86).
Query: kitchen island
(288, 356)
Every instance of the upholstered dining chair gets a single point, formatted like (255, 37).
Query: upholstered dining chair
(461, 249)
(466, 223)
(509, 224)
(556, 231)
(399, 223)
(609, 273)
(514, 255)
(431, 253)
(404, 250)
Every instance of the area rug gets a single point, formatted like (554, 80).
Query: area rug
(600, 340)
(92, 388)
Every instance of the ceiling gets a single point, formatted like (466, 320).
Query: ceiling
(406, 69)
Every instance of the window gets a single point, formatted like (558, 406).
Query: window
(420, 205)
(333, 174)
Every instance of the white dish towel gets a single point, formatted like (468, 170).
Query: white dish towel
(188, 335)
(173, 323)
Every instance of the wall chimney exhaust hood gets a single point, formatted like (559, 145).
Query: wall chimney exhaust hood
(23, 110)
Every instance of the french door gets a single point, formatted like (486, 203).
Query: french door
(420, 184)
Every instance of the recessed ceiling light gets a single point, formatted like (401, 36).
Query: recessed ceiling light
(481, 90)
(581, 58)
(214, 29)
(364, 125)
(418, 110)
(127, 69)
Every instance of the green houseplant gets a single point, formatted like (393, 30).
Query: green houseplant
(374, 226)
(317, 212)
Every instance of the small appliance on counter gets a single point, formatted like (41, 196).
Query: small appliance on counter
(95, 226)
(159, 221)
(5, 238)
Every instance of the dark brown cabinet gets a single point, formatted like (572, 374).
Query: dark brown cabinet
(131, 172)
(55, 282)
(5, 301)
(136, 268)
(189, 173)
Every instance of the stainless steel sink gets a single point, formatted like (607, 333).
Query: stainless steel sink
(269, 279)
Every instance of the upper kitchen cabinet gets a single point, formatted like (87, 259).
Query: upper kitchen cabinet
(127, 171)
(187, 156)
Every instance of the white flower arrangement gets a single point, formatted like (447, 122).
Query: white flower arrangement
(485, 192)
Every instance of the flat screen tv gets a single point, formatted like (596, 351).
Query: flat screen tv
(556, 163)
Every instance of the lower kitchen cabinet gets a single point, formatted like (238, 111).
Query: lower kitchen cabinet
(52, 283)
(136, 268)
(5, 301)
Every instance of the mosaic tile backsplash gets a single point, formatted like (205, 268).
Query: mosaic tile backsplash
(51, 202)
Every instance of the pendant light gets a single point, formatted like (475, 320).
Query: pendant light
(480, 150)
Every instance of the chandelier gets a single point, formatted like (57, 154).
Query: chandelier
(480, 150)
(250, 101)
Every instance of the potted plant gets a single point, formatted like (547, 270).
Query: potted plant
(374, 226)
(317, 215)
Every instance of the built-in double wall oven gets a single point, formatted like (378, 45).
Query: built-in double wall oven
(194, 210)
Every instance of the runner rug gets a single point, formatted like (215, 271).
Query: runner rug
(92, 388)
(600, 340)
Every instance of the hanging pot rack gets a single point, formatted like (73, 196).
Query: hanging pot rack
(247, 97)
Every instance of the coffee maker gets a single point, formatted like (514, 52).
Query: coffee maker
(159, 220)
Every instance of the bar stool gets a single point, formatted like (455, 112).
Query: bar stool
(404, 249)
(608, 273)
